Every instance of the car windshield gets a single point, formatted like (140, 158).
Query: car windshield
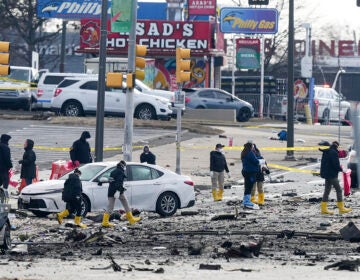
(88, 172)
(20, 75)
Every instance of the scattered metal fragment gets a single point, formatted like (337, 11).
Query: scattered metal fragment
(159, 270)
(97, 253)
(290, 193)
(350, 232)
(210, 266)
(189, 213)
(352, 265)
(114, 265)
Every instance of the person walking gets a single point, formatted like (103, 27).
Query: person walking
(147, 156)
(80, 150)
(72, 196)
(5, 162)
(329, 169)
(117, 177)
(28, 166)
(218, 166)
(259, 178)
(249, 170)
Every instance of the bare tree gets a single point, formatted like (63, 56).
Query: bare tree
(20, 26)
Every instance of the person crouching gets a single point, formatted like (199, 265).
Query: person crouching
(117, 185)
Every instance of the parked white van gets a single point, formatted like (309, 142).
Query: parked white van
(46, 85)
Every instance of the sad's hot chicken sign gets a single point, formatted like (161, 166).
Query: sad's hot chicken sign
(160, 37)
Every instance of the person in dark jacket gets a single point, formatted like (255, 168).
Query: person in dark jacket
(28, 166)
(5, 162)
(250, 169)
(217, 167)
(80, 150)
(147, 156)
(72, 196)
(329, 169)
(117, 177)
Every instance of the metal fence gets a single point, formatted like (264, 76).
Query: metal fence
(320, 110)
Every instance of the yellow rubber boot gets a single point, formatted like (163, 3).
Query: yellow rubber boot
(253, 199)
(60, 216)
(132, 220)
(342, 209)
(215, 195)
(105, 221)
(324, 209)
(220, 194)
(77, 221)
(261, 200)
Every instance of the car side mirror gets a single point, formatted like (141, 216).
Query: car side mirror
(103, 180)
(229, 99)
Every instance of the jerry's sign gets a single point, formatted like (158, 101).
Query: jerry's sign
(248, 21)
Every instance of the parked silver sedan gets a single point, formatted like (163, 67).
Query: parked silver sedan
(214, 98)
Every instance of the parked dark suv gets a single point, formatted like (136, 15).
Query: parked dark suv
(214, 98)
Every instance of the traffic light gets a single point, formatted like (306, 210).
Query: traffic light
(358, 3)
(114, 80)
(130, 80)
(4, 58)
(140, 62)
(182, 65)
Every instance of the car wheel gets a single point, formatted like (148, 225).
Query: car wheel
(72, 109)
(244, 115)
(7, 237)
(40, 214)
(145, 112)
(167, 204)
(85, 205)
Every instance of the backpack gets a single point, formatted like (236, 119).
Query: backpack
(282, 135)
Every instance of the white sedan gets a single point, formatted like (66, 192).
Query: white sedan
(148, 188)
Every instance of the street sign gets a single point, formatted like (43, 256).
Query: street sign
(248, 20)
(248, 53)
(121, 16)
(179, 101)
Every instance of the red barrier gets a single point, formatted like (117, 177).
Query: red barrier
(347, 182)
(316, 113)
(11, 182)
(60, 167)
(23, 182)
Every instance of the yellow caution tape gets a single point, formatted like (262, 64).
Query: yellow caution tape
(292, 169)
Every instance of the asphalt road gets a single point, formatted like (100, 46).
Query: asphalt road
(53, 141)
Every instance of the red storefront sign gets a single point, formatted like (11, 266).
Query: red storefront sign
(202, 7)
(160, 37)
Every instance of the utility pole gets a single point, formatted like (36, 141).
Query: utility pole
(63, 43)
(99, 138)
(129, 114)
(290, 81)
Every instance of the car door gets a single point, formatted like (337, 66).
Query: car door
(207, 99)
(143, 186)
(225, 101)
(88, 95)
(99, 192)
(115, 100)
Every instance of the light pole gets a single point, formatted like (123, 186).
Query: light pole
(290, 86)
(99, 137)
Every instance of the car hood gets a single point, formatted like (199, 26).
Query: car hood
(7, 84)
(43, 187)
